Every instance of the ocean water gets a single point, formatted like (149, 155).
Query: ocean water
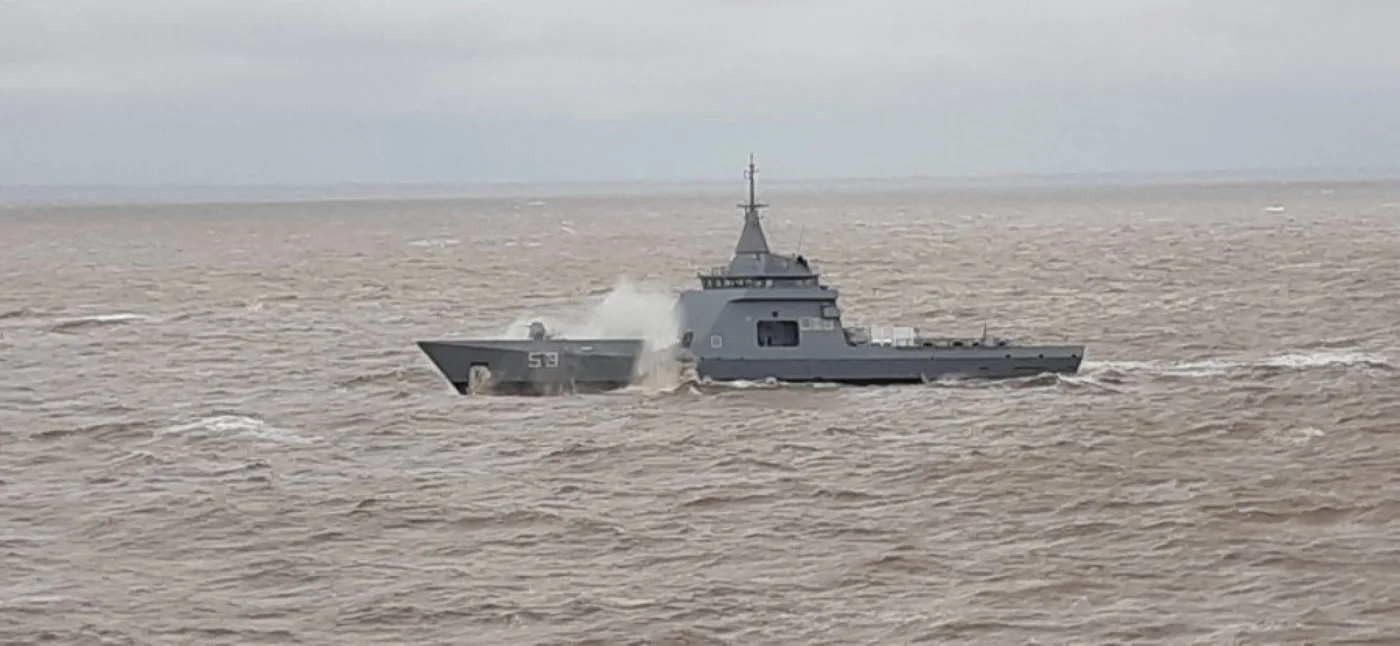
(215, 427)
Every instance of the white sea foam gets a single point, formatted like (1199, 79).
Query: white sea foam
(628, 311)
(435, 242)
(236, 425)
(1218, 366)
(97, 320)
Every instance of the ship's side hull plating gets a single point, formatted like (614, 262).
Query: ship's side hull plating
(557, 367)
(902, 366)
(535, 367)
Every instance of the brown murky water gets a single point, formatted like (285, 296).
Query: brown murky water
(215, 428)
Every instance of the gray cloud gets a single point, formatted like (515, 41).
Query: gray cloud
(322, 90)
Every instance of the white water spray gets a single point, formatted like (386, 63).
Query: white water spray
(628, 311)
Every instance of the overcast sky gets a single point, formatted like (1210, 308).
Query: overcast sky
(460, 91)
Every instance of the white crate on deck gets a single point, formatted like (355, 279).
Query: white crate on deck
(881, 335)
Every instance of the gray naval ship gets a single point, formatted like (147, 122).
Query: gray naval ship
(764, 316)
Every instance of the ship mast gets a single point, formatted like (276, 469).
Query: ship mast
(751, 209)
(752, 239)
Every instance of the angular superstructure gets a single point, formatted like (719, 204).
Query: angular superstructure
(769, 316)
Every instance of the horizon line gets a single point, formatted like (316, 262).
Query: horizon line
(92, 195)
(1372, 172)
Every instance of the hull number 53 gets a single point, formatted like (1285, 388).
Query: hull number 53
(544, 359)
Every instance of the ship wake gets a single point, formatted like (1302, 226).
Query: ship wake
(1301, 361)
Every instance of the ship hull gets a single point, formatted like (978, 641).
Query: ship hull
(535, 367)
(551, 367)
(899, 366)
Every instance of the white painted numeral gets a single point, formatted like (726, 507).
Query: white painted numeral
(544, 359)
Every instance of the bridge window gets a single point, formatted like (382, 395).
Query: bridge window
(777, 334)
